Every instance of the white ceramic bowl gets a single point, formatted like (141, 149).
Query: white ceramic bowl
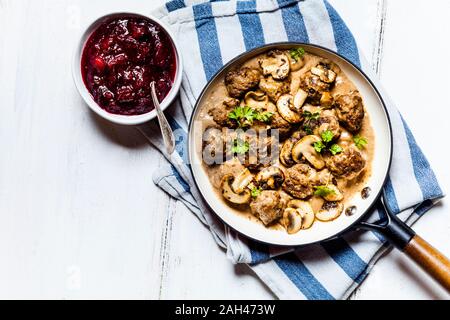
(78, 77)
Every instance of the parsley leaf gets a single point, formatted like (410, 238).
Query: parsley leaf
(264, 116)
(240, 146)
(323, 191)
(319, 146)
(327, 136)
(311, 116)
(244, 116)
(256, 191)
(359, 141)
(297, 53)
(335, 149)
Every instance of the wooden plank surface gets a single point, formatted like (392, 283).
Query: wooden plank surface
(79, 215)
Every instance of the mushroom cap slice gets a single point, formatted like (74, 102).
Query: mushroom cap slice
(230, 195)
(296, 64)
(305, 210)
(256, 99)
(330, 210)
(285, 106)
(241, 181)
(336, 195)
(270, 178)
(286, 153)
(305, 147)
(276, 64)
(291, 220)
(325, 74)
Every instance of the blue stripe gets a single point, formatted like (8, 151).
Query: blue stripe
(175, 5)
(180, 138)
(259, 252)
(391, 199)
(180, 179)
(208, 39)
(424, 175)
(303, 279)
(293, 21)
(251, 24)
(345, 43)
(346, 258)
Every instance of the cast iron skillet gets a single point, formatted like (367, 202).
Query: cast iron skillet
(392, 228)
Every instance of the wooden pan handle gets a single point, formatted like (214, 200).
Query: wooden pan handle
(430, 259)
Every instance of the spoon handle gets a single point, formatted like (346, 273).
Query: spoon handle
(166, 130)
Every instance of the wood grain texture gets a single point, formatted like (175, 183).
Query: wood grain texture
(430, 260)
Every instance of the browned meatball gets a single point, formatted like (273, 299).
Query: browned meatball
(328, 121)
(350, 110)
(274, 88)
(268, 206)
(315, 87)
(220, 112)
(347, 164)
(300, 181)
(240, 81)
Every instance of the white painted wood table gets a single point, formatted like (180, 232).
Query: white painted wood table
(79, 214)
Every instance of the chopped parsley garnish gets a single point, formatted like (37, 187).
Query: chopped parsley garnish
(311, 115)
(335, 149)
(327, 136)
(319, 146)
(240, 146)
(297, 53)
(359, 141)
(256, 191)
(307, 129)
(323, 191)
(244, 116)
(265, 116)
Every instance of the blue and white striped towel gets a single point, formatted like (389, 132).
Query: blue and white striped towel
(211, 33)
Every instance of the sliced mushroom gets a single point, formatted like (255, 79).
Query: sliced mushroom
(291, 220)
(276, 63)
(305, 210)
(325, 74)
(241, 181)
(305, 147)
(335, 195)
(270, 178)
(286, 153)
(230, 195)
(299, 99)
(286, 107)
(330, 211)
(256, 99)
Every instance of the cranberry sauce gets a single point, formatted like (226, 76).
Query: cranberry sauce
(120, 60)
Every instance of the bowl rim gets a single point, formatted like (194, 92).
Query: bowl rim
(86, 95)
(385, 175)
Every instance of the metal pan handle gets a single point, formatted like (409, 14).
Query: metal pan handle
(420, 251)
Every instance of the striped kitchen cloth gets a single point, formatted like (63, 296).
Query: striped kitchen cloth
(210, 33)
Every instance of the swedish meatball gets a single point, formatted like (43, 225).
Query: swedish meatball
(327, 121)
(347, 164)
(220, 112)
(350, 110)
(300, 180)
(268, 206)
(240, 81)
(274, 88)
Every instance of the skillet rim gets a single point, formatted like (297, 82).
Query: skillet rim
(354, 225)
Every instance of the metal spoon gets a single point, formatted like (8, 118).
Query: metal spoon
(166, 130)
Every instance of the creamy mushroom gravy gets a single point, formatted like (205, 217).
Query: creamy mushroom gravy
(342, 85)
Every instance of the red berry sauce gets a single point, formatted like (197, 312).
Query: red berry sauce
(120, 60)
